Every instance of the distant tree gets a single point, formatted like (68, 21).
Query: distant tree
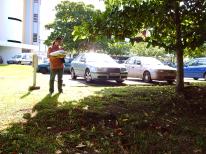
(69, 15)
(119, 48)
(142, 49)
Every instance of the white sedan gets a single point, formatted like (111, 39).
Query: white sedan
(97, 66)
(149, 68)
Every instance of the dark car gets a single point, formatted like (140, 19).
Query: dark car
(168, 63)
(195, 68)
(45, 66)
(120, 59)
(1, 60)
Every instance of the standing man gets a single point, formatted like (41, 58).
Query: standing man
(56, 66)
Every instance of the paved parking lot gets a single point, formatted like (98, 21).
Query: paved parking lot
(80, 82)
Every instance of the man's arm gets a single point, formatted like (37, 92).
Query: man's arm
(48, 53)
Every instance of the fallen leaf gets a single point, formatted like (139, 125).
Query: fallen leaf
(80, 145)
(160, 134)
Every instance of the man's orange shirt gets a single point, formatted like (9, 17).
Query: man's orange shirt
(55, 63)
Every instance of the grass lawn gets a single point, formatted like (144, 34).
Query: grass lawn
(15, 99)
(116, 120)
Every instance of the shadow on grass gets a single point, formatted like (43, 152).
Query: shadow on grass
(115, 120)
(48, 102)
(25, 95)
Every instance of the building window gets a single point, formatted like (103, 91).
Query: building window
(36, 1)
(35, 37)
(35, 17)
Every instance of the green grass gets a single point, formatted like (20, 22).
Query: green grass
(16, 99)
(128, 119)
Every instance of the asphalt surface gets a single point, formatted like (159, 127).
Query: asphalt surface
(130, 81)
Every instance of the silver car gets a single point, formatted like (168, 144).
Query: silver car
(149, 68)
(97, 66)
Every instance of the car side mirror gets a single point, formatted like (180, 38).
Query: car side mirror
(138, 63)
(83, 60)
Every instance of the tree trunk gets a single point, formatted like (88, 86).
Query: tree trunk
(180, 72)
(179, 51)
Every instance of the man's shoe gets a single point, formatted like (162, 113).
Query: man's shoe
(60, 91)
(50, 93)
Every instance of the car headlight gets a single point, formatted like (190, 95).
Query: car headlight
(123, 70)
(93, 69)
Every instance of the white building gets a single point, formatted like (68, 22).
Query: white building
(19, 30)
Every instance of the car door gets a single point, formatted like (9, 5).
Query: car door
(82, 65)
(200, 68)
(137, 68)
(190, 70)
(75, 64)
(129, 64)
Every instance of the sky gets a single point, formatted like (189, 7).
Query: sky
(47, 12)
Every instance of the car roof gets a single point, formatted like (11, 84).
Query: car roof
(94, 53)
(142, 57)
(201, 58)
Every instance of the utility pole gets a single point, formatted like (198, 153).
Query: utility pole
(34, 65)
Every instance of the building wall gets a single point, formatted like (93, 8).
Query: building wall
(11, 20)
(36, 21)
(8, 52)
(31, 21)
(17, 26)
(27, 22)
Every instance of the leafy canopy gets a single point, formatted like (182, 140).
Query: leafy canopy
(69, 15)
(128, 18)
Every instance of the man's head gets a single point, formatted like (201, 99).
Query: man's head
(58, 41)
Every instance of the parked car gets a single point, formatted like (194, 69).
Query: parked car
(171, 64)
(44, 67)
(97, 66)
(1, 60)
(195, 68)
(16, 59)
(120, 59)
(67, 65)
(149, 68)
(26, 59)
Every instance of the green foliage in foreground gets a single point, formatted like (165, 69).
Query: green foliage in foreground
(148, 119)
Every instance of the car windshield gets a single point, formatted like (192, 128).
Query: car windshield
(151, 61)
(101, 58)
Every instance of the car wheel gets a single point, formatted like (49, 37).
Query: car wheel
(73, 76)
(88, 76)
(205, 76)
(170, 81)
(43, 71)
(195, 78)
(147, 77)
(119, 81)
